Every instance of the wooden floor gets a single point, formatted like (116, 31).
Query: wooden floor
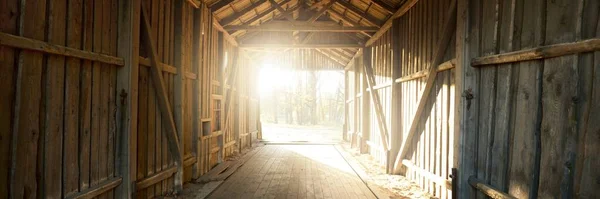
(294, 171)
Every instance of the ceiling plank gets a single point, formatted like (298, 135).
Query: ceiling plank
(265, 13)
(361, 13)
(220, 4)
(346, 20)
(387, 8)
(231, 18)
(388, 24)
(307, 27)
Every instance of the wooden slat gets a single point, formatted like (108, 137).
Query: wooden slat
(437, 179)
(99, 189)
(442, 44)
(542, 52)
(388, 24)
(151, 180)
(163, 101)
(219, 4)
(164, 67)
(40, 46)
(488, 190)
(442, 67)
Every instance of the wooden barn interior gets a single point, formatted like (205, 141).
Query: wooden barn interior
(154, 98)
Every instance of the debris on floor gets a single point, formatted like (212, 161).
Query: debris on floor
(400, 186)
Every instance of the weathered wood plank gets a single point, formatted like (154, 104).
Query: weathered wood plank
(542, 52)
(488, 190)
(27, 103)
(54, 102)
(388, 23)
(40, 46)
(128, 76)
(559, 103)
(99, 189)
(85, 100)
(9, 14)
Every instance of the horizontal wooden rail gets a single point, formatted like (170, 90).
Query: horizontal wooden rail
(542, 52)
(190, 75)
(36, 45)
(442, 67)
(98, 189)
(149, 181)
(303, 46)
(380, 86)
(215, 149)
(165, 67)
(488, 190)
(189, 161)
(434, 178)
(228, 144)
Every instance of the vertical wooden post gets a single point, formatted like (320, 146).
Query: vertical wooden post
(127, 85)
(396, 118)
(181, 56)
(196, 90)
(466, 114)
(346, 97)
(366, 109)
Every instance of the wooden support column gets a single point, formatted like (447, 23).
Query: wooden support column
(127, 95)
(181, 62)
(366, 108)
(442, 45)
(162, 99)
(396, 128)
(346, 97)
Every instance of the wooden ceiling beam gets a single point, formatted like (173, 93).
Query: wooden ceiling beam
(231, 18)
(307, 27)
(387, 8)
(265, 13)
(302, 46)
(281, 10)
(388, 24)
(361, 13)
(219, 4)
(346, 20)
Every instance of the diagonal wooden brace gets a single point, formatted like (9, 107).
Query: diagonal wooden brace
(448, 31)
(368, 74)
(161, 92)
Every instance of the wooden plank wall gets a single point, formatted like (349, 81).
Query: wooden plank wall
(58, 112)
(59, 99)
(416, 35)
(420, 28)
(535, 127)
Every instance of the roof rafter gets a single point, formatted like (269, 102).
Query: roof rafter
(233, 17)
(347, 20)
(265, 13)
(361, 13)
(389, 9)
(280, 9)
(220, 4)
(388, 24)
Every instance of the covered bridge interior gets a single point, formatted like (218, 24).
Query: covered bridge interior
(139, 98)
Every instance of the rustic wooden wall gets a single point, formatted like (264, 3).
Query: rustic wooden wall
(412, 39)
(64, 120)
(57, 113)
(531, 128)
